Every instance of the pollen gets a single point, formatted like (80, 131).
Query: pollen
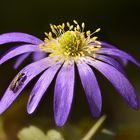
(70, 41)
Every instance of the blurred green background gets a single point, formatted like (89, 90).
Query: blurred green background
(120, 24)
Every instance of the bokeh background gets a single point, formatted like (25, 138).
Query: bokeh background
(120, 24)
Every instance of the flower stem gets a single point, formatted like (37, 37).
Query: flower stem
(94, 128)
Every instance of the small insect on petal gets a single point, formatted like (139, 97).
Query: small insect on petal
(18, 82)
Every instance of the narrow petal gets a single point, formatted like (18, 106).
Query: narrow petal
(63, 93)
(110, 61)
(38, 55)
(17, 51)
(20, 59)
(19, 37)
(107, 45)
(123, 61)
(41, 86)
(30, 71)
(91, 88)
(119, 81)
(118, 53)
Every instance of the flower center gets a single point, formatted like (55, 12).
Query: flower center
(73, 43)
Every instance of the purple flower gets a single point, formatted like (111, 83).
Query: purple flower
(67, 50)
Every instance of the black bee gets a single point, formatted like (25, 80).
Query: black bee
(18, 82)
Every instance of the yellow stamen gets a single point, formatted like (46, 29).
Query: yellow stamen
(73, 43)
(98, 30)
(83, 26)
(75, 22)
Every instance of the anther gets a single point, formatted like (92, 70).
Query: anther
(83, 26)
(75, 22)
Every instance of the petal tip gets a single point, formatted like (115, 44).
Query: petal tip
(136, 106)
(2, 111)
(97, 115)
(59, 123)
(29, 111)
(60, 120)
(139, 64)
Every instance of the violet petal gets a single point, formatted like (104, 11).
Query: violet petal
(107, 45)
(30, 72)
(41, 86)
(17, 51)
(38, 55)
(19, 37)
(63, 93)
(118, 53)
(119, 81)
(91, 88)
(110, 61)
(20, 59)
